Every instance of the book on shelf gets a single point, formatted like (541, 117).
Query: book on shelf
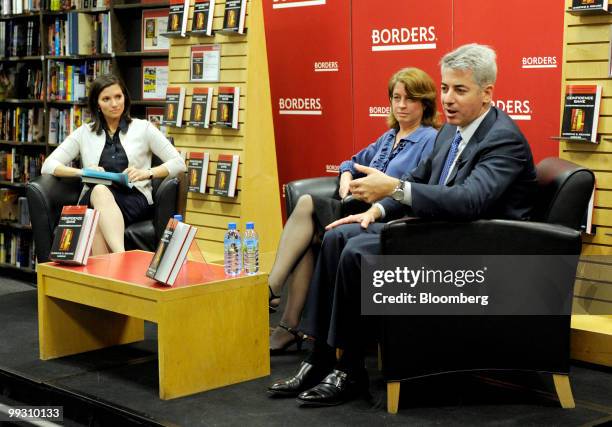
(154, 23)
(74, 235)
(171, 252)
(205, 63)
(17, 249)
(175, 102)
(9, 200)
(156, 116)
(201, 105)
(587, 221)
(226, 175)
(92, 176)
(19, 167)
(197, 172)
(234, 17)
(154, 79)
(203, 12)
(581, 112)
(589, 5)
(177, 17)
(228, 104)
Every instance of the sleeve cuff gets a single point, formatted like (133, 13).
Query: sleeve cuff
(381, 209)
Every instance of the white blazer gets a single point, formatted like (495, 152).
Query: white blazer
(141, 139)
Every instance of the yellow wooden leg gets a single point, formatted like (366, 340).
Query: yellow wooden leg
(564, 391)
(66, 328)
(393, 393)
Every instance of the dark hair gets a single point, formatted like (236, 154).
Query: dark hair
(97, 86)
(419, 86)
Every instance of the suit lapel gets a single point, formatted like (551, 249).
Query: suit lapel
(437, 164)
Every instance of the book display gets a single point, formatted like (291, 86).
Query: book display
(171, 252)
(154, 79)
(203, 11)
(226, 175)
(175, 102)
(234, 17)
(201, 106)
(197, 172)
(228, 101)
(205, 64)
(74, 235)
(177, 18)
(581, 112)
(585, 5)
(154, 23)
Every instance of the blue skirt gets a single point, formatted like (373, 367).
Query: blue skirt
(132, 203)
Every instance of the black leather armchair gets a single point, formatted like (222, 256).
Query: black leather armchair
(47, 194)
(417, 346)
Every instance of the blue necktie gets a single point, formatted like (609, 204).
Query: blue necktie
(452, 153)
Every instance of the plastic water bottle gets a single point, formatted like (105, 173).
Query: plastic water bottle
(250, 249)
(178, 217)
(232, 253)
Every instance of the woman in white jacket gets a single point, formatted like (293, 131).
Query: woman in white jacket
(115, 142)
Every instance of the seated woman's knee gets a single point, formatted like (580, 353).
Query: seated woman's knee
(101, 194)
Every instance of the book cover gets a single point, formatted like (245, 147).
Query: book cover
(581, 112)
(93, 176)
(589, 4)
(154, 23)
(177, 17)
(228, 101)
(156, 116)
(234, 17)
(205, 63)
(201, 106)
(154, 79)
(197, 172)
(161, 248)
(171, 252)
(175, 101)
(74, 235)
(203, 11)
(226, 175)
(181, 256)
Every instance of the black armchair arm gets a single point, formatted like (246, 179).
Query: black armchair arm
(322, 186)
(165, 204)
(46, 196)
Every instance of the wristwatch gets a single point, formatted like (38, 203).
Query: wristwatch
(398, 193)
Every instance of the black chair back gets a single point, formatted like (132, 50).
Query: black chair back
(322, 186)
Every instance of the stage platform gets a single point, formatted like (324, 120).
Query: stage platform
(119, 386)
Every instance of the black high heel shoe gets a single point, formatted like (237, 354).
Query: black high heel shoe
(298, 340)
(272, 296)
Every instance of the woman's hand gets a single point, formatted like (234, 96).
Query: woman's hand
(345, 180)
(135, 175)
(365, 218)
(96, 168)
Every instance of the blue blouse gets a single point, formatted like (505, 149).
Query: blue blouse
(380, 154)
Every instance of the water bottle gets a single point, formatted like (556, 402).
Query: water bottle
(250, 249)
(178, 217)
(232, 251)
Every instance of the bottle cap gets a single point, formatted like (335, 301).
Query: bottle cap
(178, 217)
(231, 226)
(250, 225)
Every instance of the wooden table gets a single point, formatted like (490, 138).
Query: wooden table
(212, 330)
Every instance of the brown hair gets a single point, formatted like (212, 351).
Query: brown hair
(419, 86)
(97, 86)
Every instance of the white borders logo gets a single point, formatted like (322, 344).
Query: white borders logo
(303, 3)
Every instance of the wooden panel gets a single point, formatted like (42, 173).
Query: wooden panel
(594, 160)
(604, 199)
(588, 52)
(587, 70)
(197, 205)
(588, 34)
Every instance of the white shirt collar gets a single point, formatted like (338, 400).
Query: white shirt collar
(468, 131)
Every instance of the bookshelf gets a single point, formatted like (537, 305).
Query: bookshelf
(586, 60)
(243, 64)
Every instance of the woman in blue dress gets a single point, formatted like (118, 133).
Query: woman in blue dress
(412, 130)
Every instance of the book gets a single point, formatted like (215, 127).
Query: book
(201, 105)
(589, 5)
(171, 252)
(203, 11)
(156, 116)
(154, 79)
(234, 17)
(175, 102)
(154, 23)
(581, 112)
(92, 176)
(228, 101)
(177, 17)
(74, 235)
(197, 172)
(226, 175)
(205, 63)
(587, 221)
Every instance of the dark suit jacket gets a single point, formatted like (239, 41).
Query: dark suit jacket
(494, 176)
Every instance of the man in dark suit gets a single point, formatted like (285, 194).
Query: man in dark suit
(481, 167)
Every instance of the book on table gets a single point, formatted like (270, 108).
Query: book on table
(201, 105)
(177, 17)
(175, 102)
(197, 172)
(203, 12)
(92, 176)
(226, 175)
(171, 252)
(581, 112)
(74, 235)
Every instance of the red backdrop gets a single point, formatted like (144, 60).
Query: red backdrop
(330, 62)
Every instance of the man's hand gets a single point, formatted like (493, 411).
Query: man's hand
(373, 187)
(365, 218)
(345, 180)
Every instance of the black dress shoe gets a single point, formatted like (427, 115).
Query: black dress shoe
(335, 389)
(307, 376)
